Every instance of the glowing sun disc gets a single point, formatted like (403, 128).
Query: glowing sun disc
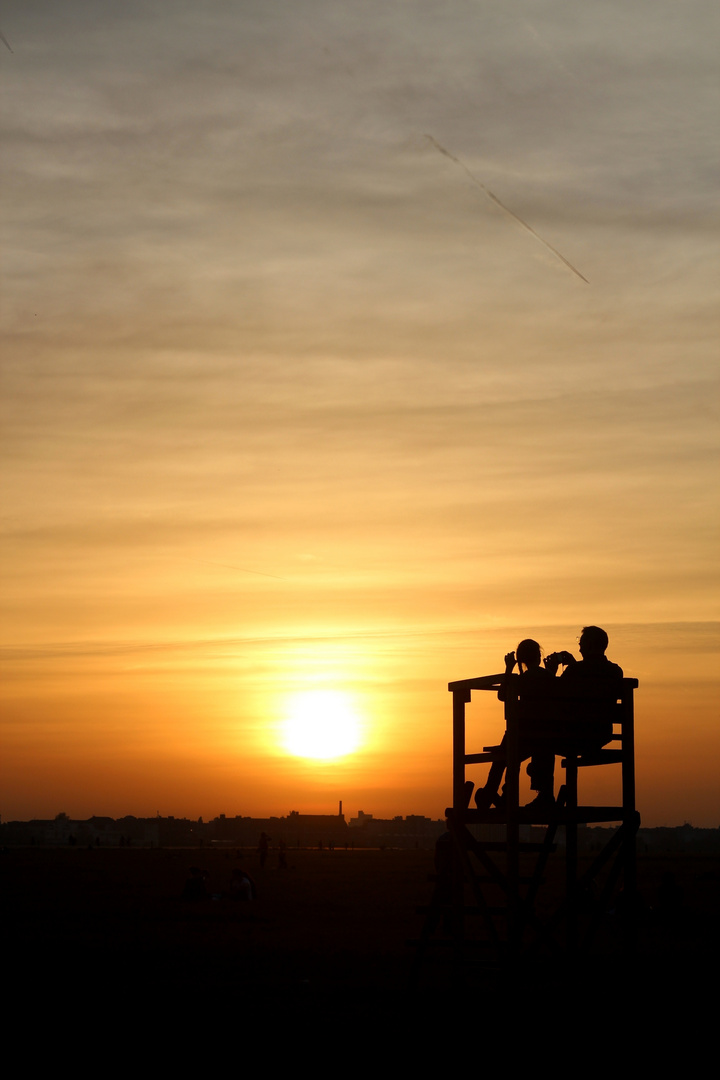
(321, 724)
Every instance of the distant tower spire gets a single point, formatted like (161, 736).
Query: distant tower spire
(340, 809)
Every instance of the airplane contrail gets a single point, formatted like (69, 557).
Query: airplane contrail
(231, 566)
(507, 209)
(243, 569)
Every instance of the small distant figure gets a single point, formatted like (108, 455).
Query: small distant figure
(263, 848)
(242, 886)
(282, 856)
(195, 887)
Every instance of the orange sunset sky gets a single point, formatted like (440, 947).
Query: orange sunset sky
(292, 404)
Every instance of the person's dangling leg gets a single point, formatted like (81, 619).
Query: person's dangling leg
(541, 771)
(485, 796)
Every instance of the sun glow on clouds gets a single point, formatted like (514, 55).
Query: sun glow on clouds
(321, 724)
(276, 319)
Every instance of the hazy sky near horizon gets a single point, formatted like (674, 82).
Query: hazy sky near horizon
(290, 401)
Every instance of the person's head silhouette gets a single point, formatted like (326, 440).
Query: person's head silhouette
(593, 642)
(528, 654)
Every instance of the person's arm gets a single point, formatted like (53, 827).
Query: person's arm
(554, 660)
(569, 661)
(509, 665)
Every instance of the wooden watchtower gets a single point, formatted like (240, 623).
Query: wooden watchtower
(503, 862)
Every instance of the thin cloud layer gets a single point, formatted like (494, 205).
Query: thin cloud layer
(276, 369)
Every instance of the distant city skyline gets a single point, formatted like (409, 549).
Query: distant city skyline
(312, 831)
(358, 814)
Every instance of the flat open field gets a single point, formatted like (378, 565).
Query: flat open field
(333, 924)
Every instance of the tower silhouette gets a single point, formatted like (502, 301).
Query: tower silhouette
(497, 906)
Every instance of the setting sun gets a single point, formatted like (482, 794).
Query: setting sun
(321, 724)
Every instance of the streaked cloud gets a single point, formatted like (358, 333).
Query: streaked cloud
(277, 371)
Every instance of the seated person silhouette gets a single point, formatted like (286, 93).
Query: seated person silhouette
(542, 758)
(597, 674)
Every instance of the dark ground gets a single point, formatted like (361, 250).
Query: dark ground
(333, 926)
